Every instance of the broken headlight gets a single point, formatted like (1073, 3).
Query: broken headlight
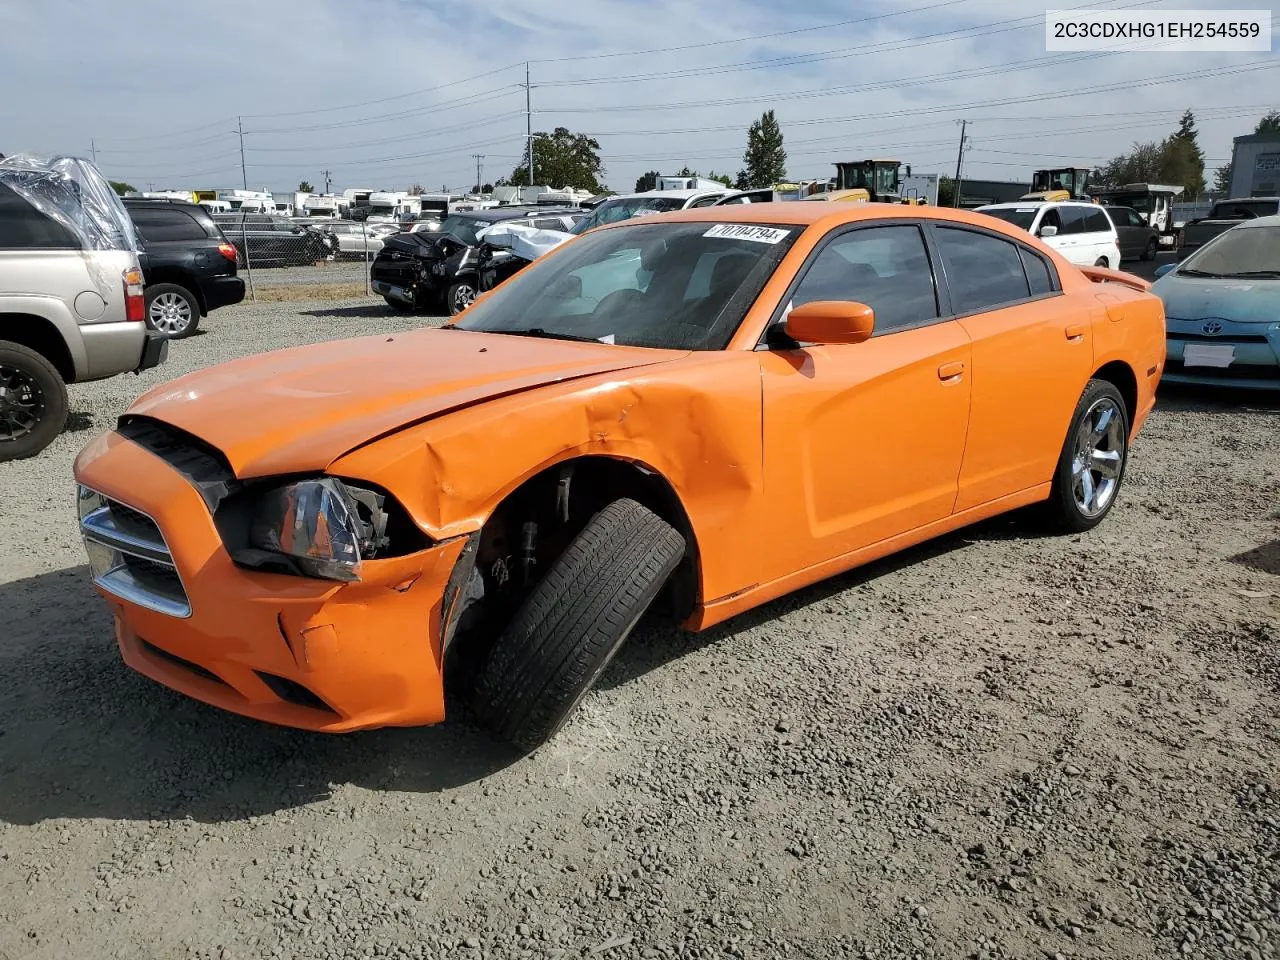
(323, 528)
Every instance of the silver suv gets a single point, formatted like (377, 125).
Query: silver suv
(71, 299)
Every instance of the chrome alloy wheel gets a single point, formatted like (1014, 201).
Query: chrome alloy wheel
(21, 403)
(1098, 458)
(170, 313)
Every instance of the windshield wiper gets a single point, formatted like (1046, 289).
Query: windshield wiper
(1269, 274)
(1198, 273)
(545, 335)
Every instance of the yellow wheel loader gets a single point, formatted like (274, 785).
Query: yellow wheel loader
(869, 181)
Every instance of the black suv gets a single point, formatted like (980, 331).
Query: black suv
(189, 267)
(418, 271)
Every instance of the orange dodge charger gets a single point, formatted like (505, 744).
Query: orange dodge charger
(697, 411)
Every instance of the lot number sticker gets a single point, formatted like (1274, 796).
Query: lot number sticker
(747, 231)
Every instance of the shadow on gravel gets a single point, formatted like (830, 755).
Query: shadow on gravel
(81, 735)
(1265, 558)
(659, 643)
(77, 421)
(1189, 398)
(361, 310)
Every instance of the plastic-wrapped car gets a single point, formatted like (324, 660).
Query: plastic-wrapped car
(72, 306)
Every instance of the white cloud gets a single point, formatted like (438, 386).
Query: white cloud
(178, 74)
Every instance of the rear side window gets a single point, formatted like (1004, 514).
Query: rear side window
(983, 272)
(1073, 219)
(1038, 276)
(162, 225)
(1097, 221)
(23, 227)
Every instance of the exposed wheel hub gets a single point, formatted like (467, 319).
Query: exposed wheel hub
(21, 403)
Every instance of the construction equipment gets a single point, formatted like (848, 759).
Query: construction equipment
(869, 181)
(1066, 183)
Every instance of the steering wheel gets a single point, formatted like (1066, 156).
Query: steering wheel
(618, 303)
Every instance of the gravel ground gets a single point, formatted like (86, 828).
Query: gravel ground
(333, 271)
(996, 745)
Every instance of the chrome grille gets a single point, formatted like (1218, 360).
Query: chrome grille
(128, 555)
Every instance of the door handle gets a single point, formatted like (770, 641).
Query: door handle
(1074, 332)
(950, 372)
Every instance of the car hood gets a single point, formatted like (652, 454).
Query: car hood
(299, 409)
(1199, 298)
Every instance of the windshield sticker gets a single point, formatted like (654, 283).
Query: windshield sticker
(748, 231)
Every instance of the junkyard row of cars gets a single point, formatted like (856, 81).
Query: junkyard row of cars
(686, 411)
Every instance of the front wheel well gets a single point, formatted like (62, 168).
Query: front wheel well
(535, 523)
(1120, 375)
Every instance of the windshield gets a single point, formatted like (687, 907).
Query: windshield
(623, 208)
(464, 228)
(1142, 202)
(678, 286)
(1247, 252)
(1018, 216)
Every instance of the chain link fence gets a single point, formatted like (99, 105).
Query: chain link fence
(273, 249)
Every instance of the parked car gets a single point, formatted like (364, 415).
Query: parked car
(1222, 309)
(71, 295)
(1138, 240)
(359, 239)
(714, 407)
(422, 271)
(1222, 216)
(189, 266)
(625, 206)
(267, 241)
(1081, 232)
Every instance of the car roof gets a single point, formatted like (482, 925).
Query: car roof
(513, 212)
(792, 212)
(1037, 203)
(677, 194)
(1270, 221)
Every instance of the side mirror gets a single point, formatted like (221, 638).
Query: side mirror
(1165, 268)
(831, 321)
(1047, 231)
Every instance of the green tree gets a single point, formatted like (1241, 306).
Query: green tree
(1222, 177)
(1184, 160)
(720, 178)
(121, 188)
(946, 192)
(765, 161)
(486, 188)
(563, 159)
(1269, 124)
(306, 187)
(647, 181)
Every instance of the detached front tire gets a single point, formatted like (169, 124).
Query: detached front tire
(576, 618)
(33, 402)
(1094, 455)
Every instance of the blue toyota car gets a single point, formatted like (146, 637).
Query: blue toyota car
(1222, 309)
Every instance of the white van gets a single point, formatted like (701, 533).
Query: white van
(1081, 232)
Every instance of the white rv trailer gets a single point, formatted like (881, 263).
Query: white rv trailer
(248, 201)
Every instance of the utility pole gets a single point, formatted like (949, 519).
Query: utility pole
(528, 117)
(244, 177)
(955, 196)
(93, 149)
(478, 157)
(327, 180)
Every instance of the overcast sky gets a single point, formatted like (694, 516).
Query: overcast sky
(386, 93)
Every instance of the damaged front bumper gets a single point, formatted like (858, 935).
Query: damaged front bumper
(299, 652)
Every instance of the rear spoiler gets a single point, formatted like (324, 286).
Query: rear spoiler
(1104, 275)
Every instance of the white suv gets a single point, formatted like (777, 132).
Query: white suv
(1081, 232)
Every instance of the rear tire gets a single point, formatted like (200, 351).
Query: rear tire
(1091, 466)
(573, 622)
(1152, 249)
(33, 402)
(172, 311)
(1102, 262)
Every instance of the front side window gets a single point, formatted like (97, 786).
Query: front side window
(683, 286)
(887, 268)
(983, 272)
(1073, 219)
